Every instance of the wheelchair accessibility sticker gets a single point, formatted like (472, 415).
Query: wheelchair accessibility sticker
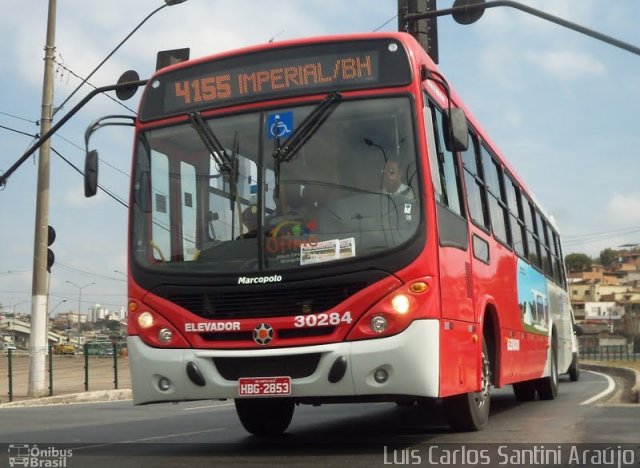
(280, 125)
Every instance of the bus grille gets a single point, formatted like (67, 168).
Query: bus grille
(245, 303)
(296, 366)
(283, 334)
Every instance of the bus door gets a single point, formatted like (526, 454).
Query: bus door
(459, 354)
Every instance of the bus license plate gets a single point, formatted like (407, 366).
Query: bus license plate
(264, 386)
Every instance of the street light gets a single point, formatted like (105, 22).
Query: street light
(80, 288)
(84, 80)
(56, 306)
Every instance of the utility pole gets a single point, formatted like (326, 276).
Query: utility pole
(39, 292)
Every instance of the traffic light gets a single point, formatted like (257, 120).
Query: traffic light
(51, 237)
(425, 30)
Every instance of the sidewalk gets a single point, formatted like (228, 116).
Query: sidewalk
(70, 398)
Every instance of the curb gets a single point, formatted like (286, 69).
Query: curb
(84, 397)
(631, 395)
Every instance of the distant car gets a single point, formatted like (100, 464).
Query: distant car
(63, 348)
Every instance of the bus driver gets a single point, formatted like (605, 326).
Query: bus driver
(391, 180)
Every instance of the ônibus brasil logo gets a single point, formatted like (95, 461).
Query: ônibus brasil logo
(259, 279)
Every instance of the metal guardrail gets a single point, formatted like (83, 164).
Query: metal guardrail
(608, 353)
(105, 369)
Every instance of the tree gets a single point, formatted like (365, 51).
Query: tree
(577, 262)
(608, 258)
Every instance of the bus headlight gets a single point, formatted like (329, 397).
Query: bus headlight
(165, 335)
(154, 329)
(145, 320)
(378, 324)
(395, 311)
(400, 304)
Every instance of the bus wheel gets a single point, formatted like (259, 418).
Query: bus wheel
(574, 370)
(525, 391)
(265, 416)
(548, 386)
(470, 411)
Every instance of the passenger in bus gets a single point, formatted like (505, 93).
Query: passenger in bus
(250, 220)
(392, 180)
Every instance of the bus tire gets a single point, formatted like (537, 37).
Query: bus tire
(524, 391)
(470, 411)
(574, 369)
(265, 416)
(548, 386)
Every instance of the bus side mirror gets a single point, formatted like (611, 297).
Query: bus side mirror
(457, 138)
(577, 329)
(91, 173)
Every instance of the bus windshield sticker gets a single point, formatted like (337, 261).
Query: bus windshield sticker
(279, 125)
(326, 251)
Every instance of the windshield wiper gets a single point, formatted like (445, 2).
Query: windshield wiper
(226, 164)
(218, 153)
(307, 128)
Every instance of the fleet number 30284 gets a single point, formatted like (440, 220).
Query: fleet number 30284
(322, 320)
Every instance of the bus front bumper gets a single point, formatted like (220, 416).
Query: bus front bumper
(410, 360)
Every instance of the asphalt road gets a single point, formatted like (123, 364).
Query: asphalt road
(208, 433)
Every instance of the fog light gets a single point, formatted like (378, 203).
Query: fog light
(380, 375)
(164, 384)
(400, 304)
(145, 320)
(165, 335)
(378, 324)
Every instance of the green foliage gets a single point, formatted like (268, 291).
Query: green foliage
(608, 258)
(577, 262)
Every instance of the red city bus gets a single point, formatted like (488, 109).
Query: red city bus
(323, 221)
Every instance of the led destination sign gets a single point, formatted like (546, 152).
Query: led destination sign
(274, 73)
(248, 81)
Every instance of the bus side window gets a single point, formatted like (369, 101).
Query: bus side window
(548, 259)
(495, 189)
(448, 171)
(514, 202)
(558, 270)
(474, 183)
(534, 245)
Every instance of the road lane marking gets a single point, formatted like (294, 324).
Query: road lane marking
(179, 434)
(221, 405)
(146, 439)
(610, 388)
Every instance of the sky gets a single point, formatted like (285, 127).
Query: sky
(561, 106)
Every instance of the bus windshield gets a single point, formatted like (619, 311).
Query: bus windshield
(350, 189)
